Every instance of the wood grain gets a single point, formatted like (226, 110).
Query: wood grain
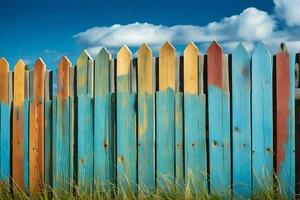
(166, 67)
(190, 69)
(124, 70)
(4, 68)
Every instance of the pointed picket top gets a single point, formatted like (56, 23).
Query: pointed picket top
(82, 68)
(240, 49)
(123, 69)
(39, 78)
(63, 78)
(102, 72)
(190, 69)
(19, 83)
(214, 65)
(261, 49)
(4, 69)
(166, 67)
(144, 69)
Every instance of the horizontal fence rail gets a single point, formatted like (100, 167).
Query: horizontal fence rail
(209, 122)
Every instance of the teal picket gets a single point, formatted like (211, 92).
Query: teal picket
(146, 159)
(26, 144)
(195, 164)
(72, 141)
(179, 153)
(61, 144)
(262, 117)
(48, 142)
(4, 142)
(218, 120)
(104, 166)
(126, 142)
(241, 122)
(165, 138)
(85, 143)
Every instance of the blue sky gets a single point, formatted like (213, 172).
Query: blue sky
(31, 29)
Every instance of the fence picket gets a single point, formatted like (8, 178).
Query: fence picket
(262, 117)
(36, 132)
(285, 120)
(218, 119)
(85, 151)
(104, 158)
(146, 159)
(165, 118)
(194, 122)
(126, 124)
(19, 134)
(241, 122)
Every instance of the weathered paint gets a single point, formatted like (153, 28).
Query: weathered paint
(285, 119)
(123, 70)
(4, 143)
(166, 67)
(241, 122)
(37, 129)
(104, 165)
(18, 125)
(102, 72)
(219, 121)
(146, 148)
(72, 141)
(84, 81)
(126, 141)
(61, 144)
(48, 142)
(85, 143)
(190, 69)
(262, 117)
(195, 163)
(4, 68)
(165, 138)
(179, 153)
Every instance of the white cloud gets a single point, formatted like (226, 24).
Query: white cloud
(248, 27)
(289, 10)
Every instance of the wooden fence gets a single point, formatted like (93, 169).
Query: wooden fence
(214, 121)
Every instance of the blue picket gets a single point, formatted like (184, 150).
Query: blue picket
(104, 142)
(61, 144)
(4, 142)
(126, 142)
(179, 158)
(165, 138)
(146, 159)
(48, 142)
(262, 118)
(241, 122)
(195, 142)
(85, 143)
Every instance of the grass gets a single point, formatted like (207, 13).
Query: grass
(170, 192)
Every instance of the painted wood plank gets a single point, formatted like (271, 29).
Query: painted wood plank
(262, 117)
(104, 166)
(241, 122)
(126, 142)
(18, 135)
(85, 143)
(72, 142)
(36, 132)
(167, 66)
(48, 114)
(219, 120)
(4, 68)
(285, 120)
(179, 141)
(83, 78)
(63, 78)
(26, 145)
(165, 138)
(4, 143)
(190, 69)
(124, 70)
(102, 72)
(146, 148)
(195, 142)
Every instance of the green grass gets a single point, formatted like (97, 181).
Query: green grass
(171, 192)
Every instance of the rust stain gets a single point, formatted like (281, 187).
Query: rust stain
(282, 104)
